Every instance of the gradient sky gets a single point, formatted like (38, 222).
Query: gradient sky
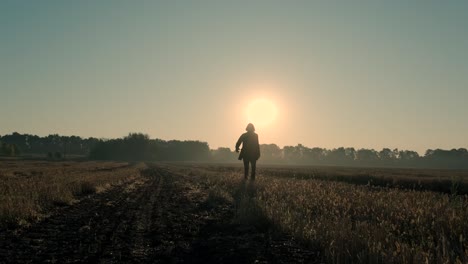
(364, 74)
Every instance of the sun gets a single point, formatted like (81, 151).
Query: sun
(261, 112)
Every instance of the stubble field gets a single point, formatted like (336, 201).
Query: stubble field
(112, 212)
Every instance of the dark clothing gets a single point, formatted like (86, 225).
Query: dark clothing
(253, 163)
(250, 152)
(250, 147)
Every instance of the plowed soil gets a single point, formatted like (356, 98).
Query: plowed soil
(164, 218)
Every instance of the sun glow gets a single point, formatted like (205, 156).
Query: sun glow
(261, 112)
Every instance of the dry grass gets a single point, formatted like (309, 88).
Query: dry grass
(30, 189)
(445, 181)
(352, 223)
(369, 224)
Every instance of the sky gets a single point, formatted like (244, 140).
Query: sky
(363, 74)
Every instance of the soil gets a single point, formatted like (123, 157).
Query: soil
(164, 219)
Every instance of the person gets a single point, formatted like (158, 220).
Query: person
(250, 152)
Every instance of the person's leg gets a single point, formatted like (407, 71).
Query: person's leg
(246, 169)
(254, 167)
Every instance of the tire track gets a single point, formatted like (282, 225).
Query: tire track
(90, 231)
(164, 218)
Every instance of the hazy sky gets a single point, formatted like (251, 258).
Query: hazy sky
(367, 74)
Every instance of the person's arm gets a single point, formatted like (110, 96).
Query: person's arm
(239, 142)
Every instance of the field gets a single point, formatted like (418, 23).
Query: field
(113, 212)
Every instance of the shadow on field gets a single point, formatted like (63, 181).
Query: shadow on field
(242, 233)
(247, 210)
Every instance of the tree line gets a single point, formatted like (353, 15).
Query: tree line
(51, 145)
(138, 146)
(302, 155)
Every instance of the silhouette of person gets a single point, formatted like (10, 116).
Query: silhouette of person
(250, 152)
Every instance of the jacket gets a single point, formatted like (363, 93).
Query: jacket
(250, 146)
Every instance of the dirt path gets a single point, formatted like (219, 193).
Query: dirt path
(164, 219)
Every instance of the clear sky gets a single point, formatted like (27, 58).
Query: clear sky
(364, 74)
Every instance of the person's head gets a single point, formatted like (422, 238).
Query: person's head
(250, 128)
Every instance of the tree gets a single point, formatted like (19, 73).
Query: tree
(314, 156)
(224, 155)
(367, 157)
(270, 153)
(387, 156)
(350, 154)
(337, 156)
(10, 150)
